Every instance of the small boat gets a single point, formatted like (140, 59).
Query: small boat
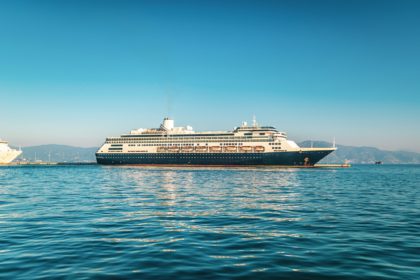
(173, 149)
(378, 162)
(230, 149)
(245, 149)
(259, 149)
(187, 149)
(161, 149)
(201, 149)
(215, 149)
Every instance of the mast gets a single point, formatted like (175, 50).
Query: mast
(254, 121)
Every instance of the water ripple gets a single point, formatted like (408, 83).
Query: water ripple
(88, 222)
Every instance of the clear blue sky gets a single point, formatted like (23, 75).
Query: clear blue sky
(74, 72)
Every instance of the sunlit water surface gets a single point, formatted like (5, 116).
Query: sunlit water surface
(79, 222)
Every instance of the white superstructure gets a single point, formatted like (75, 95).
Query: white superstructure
(7, 154)
(168, 139)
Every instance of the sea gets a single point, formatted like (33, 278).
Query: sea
(121, 222)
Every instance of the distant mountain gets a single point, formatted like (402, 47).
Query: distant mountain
(63, 153)
(58, 153)
(363, 154)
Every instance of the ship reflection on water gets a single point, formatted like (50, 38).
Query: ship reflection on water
(240, 216)
(187, 199)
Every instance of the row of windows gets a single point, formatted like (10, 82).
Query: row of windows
(163, 134)
(184, 136)
(182, 142)
(181, 145)
(186, 139)
(161, 145)
(186, 142)
(183, 157)
(190, 154)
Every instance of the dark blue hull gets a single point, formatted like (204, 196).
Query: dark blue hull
(304, 158)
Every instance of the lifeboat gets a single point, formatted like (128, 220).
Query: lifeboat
(161, 149)
(245, 149)
(173, 149)
(187, 149)
(201, 149)
(259, 149)
(230, 149)
(215, 149)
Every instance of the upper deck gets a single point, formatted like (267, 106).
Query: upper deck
(167, 132)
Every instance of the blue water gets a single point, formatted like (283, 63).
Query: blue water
(94, 222)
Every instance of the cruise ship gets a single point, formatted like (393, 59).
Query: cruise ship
(244, 145)
(7, 154)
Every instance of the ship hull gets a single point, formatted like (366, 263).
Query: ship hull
(295, 158)
(9, 156)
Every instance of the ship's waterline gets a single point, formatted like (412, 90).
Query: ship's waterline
(245, 145)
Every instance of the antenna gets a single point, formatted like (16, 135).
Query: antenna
(254, 121)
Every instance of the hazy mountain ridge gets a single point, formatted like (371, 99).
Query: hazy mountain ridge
(58, 153)
(64, 153)
(364, 154)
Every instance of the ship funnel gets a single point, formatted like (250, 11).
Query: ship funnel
(168, 124)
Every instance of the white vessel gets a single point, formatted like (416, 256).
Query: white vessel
(245, 145)
(7, 154)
